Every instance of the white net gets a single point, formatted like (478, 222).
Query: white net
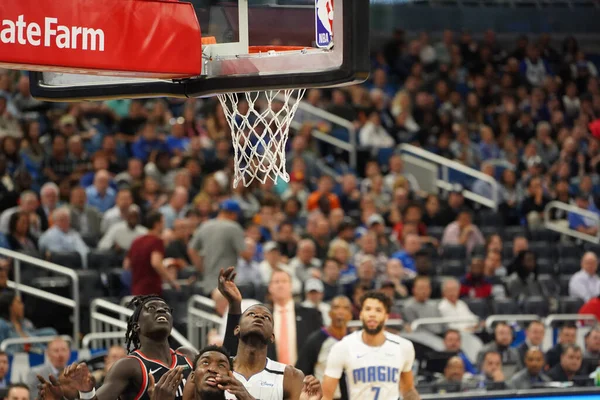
(260, 124)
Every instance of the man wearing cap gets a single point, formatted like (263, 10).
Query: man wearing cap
(314, 292)
(216, 244)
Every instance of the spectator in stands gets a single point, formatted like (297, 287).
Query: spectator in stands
(492, 375)
(366, 272)
(114, 354)
(19, 237)
(412, 244)
(579, 223)
(217, 244)
(61, 238)
(452, 344)
(571, 359)
(176, 207)
(463, 232)
(57, 166)
(19, 391)
(118, 213)
(396, 170)
(534, 68)
(121, 235)
(368, 247)
(324, 189)
(454, 205)
(523, 283)
(452, 307)
(350, 195)
(532, 207)
(287, 240)
(248, 270)
(532, 373)
(534, 338)
(493, 267)
(49, 201)
(5, 371)
(273, 262)
(177, 248)
(412, 214)
(373, 136)
(567, 335)
(454, 371)
(585, 284)
(395, 273)
(100, 194)
(431, 216)
(313, 294)
(591, 353)
(503, 337)
(419, 306)
(57, 357)
(85, 219)
(145, 260)
(305, 264)
(483, 188)
(28, 203)
(474, 284)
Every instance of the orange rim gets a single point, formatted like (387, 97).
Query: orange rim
(265, 49)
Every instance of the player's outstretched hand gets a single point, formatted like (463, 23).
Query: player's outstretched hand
(49, 390)
(231, 385)
(227, 286)
(167, 385)
(78, 376)
(311, 390)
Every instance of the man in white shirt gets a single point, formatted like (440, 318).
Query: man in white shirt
(314, 291)
(61, 238)
(585, 284)
(120, 235)
(117, 213)
(304, 261)
(452, 307)
(272, 263)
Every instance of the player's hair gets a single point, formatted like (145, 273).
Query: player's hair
(132, 339)
(218, 349)
(386, 301)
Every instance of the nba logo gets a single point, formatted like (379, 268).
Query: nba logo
(324, 17)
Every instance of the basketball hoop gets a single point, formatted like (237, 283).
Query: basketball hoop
(260, 132)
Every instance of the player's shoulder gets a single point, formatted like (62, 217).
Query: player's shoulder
(275, 367)
(397, 340)
(350, 339)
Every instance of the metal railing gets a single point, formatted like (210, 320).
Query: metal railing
(72, 303)
(103, 322)
(493, 319)
(560, 228)
(445, 165)
(89, 339)
(419, 322)
(393, 323)
(321, 114)
(202, 318)
(6, 343)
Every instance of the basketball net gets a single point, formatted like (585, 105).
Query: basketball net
(260, 132)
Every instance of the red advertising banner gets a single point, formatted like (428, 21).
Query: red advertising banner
(130, 38)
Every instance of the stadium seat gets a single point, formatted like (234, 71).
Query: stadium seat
(490, 218)
(569, 251)
(90, 240)
(537, 305)
(563, 281)
(186, 273)
(510, 232)
(454, 252)
(69, 259)
(90, 285)
(102, 260)
(542, 249)
(546, 266)
(488, 231)
(115, 286)
(569, 305)
(479, 250)
(549, 284)
(456, 268)
(544, 235)
(505, 306)
(507, 251)
(435, 231)
(479, 307)
(595, 248)
(568, 266)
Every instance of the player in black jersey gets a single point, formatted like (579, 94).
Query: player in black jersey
(147, 337)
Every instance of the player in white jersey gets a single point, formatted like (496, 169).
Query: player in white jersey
(264, 378)
(378, 364)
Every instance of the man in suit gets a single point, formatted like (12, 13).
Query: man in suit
(57, 357)
(292, 323)
(503, 337)
(534, 337)
(532, 373)
(84, 219)
(567, 335)
(569, 367)
(49, 196)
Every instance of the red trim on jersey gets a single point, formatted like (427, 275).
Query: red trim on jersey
(173, 359)
(144, 379)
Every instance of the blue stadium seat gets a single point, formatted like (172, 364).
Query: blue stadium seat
(454, 252)
(505, 306)
(568, 266)
(569, 305)
(537, 305)
(384, 155)
(341, 134)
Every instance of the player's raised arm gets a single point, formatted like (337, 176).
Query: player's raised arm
(334, 370)
(407, 380)
(230, 291)
(118, 377)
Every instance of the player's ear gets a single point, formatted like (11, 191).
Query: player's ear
(272, 338)
(191, 376)
(236, 331)
(136, 327)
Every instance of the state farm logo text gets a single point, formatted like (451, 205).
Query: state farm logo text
(51, 34)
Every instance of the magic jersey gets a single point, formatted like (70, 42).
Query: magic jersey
(372, 373)
(266, 385)
(157, 369)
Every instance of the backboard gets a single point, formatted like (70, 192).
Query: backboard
(247, 45)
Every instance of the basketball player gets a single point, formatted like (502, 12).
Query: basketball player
(147, 338)
(264, 378)
(378, 364)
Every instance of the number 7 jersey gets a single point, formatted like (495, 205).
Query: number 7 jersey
(372, 373)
